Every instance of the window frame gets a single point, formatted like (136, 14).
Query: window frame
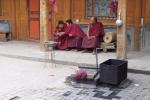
(99, 17)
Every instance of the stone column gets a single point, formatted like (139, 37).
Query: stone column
(43, 24)
(121, 33)
(137, 25)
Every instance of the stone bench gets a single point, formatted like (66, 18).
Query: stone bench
(5, 33)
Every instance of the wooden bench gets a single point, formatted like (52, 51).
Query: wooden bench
(5, 33)
(5, 36)
(108, 46)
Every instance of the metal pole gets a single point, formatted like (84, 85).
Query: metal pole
(96, 55)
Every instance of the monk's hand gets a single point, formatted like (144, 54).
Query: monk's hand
(92, 36)
(61, 33)
(87, 36)
(70, 35)
(57, 34)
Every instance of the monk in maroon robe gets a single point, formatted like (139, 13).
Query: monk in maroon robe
(94, 36)
(75, 34)
(60, 37)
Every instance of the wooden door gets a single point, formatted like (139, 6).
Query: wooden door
(34, 19)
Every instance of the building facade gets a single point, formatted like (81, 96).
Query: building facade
(24, 17)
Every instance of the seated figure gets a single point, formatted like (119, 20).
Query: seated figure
(75, 34)
(94, 36)
(59, 35)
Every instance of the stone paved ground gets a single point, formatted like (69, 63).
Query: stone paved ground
(30, 80)
(31, 50)
(24, 77)
(90, 92)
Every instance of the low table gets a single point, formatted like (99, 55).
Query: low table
(107, 46)
(5, 36)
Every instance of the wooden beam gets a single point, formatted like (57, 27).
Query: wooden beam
(43, 24)
(121, 32)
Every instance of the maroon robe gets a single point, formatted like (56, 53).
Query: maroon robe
(75, 40)
(63, 39)
(96, 33)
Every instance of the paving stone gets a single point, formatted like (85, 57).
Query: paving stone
(30, 79)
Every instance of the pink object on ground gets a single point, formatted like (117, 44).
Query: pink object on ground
(80, 74)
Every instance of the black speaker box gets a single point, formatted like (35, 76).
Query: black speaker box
(113, 71)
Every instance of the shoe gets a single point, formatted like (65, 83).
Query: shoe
(67, 49)
(84, 51)
(75, 50)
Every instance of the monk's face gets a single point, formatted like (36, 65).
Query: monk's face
(93, 20)
(67, 24)
(61, 26)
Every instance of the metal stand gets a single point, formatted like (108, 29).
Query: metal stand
(96, 77)
(96, 56)
(97, 65)
(51, 54)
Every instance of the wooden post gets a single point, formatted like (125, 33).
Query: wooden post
(121, 33)
(43, 24)
(137, 25)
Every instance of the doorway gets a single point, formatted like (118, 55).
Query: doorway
(34, 20)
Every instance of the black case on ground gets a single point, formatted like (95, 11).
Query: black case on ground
(112, 71)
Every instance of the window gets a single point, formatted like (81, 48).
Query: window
(101, 8)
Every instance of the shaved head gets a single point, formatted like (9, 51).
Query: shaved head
(93, 20)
